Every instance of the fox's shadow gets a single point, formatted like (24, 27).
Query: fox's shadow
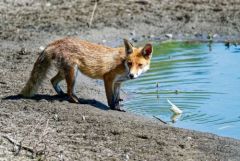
(50, 98)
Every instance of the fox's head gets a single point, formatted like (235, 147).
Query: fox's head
(138, 59)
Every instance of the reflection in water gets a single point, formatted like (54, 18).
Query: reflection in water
(175, 117)
(201, 79)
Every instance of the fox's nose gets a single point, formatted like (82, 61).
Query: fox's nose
(131, 76)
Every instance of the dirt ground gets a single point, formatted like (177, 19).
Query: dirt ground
(49, 128)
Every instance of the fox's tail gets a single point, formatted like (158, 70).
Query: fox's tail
(38, 73)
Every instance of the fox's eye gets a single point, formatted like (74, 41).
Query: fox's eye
(140, 65)
(129, 63)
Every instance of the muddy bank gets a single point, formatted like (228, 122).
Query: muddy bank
(137, 19)
(55, 129)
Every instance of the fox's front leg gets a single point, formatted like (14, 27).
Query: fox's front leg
(70, 76)
(112, 92)
(55, 82)
(116, 93)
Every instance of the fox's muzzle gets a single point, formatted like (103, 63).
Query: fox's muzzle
(131, 76)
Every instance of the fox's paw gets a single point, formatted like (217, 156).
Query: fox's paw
(120, 110)
(117, 108)
(73, 100)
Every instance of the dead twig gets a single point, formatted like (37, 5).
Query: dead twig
(23, 147)
(33, 130)
(92, 15)
(41, 137)
(19, 145)
(160, 120)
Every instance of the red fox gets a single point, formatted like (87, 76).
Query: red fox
(70, 55)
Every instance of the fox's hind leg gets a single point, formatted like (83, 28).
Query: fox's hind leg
(70, 76)
(55, 82)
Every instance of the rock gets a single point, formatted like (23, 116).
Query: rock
(41, 48)
(48, 4)
(55, 117)
(126, 157)
(22, 51)
(132, 33)
(151, 36)
(134, 40)
(215, 35)
(198, 34)
(83, 118)
(170, 36)
(189, 138)
(142, 2)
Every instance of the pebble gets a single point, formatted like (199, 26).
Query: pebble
(170, 36)
(48, 4)
(41, 48)
(142, 2)
(215, 35)
(132, 33)
(134, 40)
(198, 34)
(189, 138)
(126, 157)
(56, 117)
(151, 36)
(22, 51)
(83, 117)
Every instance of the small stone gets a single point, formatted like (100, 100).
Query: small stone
(132, 33)
(210, 36)
(198, 35)
(83, 118)
(170, 36)
(181, 146)
(189, 138)
(134, 40)
(152, 36)
(41, 48)
(48, 4)
(104, 41)
(142, 2)
(22, 51)
(126, 157)
(215, 35)
(55, 117)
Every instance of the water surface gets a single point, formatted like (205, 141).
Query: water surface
(201, 79)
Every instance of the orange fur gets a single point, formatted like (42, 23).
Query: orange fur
(96, 61)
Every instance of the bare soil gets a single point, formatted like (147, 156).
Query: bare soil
(54, 129)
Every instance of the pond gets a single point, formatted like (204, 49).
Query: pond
(202, 79)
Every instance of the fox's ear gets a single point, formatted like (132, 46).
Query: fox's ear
(128, 46)
(147, 51)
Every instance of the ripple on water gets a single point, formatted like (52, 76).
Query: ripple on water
(204, 84)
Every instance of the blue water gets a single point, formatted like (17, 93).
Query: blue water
(202, 80)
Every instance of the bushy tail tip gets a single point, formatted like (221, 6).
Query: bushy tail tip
(37, 75)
